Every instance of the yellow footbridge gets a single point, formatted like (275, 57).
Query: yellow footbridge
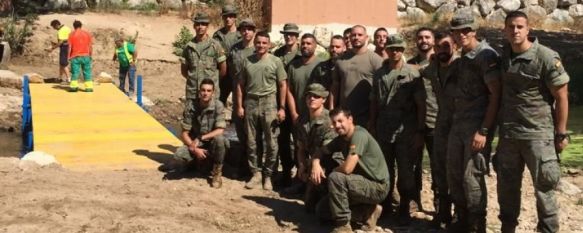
(100, 130)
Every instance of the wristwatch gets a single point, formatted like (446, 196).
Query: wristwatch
(559, 137)
(483, 131)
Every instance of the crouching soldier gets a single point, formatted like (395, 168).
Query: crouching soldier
(202, 131)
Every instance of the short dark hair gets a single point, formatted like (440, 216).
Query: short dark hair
(338, 110)
(207, 81)
(263, 34)
(441, 35)
(347, 31)
(55, 23)
(421, 29)
(516, 14)
(379, 30)
(337, 37)
(77, 24)
(308, 35)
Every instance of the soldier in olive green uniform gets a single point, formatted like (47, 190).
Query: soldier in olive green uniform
(202, 131)
(425, 40)
(438, 72)
(262, 77)
(476, 97)
(228, 36)
(362, 179)
(533, 127)
(202, 58)
(313, 131)
(291, 49)
(398, 119)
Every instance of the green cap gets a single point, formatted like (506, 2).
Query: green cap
(290, 28)
(396, 41)
(201, 17)
(317, 89)
(463, 20)
(229, 10)
(246, 23)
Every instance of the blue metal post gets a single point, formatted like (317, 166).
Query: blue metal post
(27, 143)
(139, 92)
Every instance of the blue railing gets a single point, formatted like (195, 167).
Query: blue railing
(27, 139)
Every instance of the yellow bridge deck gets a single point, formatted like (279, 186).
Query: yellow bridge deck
(100, 130)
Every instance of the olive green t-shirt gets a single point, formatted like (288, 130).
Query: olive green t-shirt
(371, 161)
(227, 39)
(262, 75)
(430, 100)
(300, 75)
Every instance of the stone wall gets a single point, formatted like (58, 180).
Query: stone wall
(562, 12)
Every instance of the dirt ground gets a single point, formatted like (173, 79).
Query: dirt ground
(53, 199)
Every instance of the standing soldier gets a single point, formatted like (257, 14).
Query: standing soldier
(425, 41)
(476, 97)
(438, 72)
(227, 36)
(63, 45)
(360, 182)
(262, 77)
(398, 119)
(288, 52)
(533, 131)
(352, 78)
(239, 52)
(80, 52)
(202, 58)
(202, 131)
(380, 41)
(326, 68)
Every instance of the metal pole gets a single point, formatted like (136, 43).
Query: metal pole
(26, 130)
(139, 92)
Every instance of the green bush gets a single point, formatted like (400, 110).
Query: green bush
(183, 37)
(17, 35)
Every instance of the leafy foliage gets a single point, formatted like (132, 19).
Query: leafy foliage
(183, 37)
(17, 35)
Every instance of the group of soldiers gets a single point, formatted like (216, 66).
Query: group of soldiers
(360, 119)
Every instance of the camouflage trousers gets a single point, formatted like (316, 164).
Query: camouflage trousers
(402, 152)
(541, 159)
(465, 176)
(216, 147)
(438, 163)
(418, 170)
(261, 119)
(347, 194)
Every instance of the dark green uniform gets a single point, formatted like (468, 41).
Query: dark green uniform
(527, 133)
(441, 85)
(368, 183)
(261, 83)
(466, 169)
(300, 75)
(396, 92)
(201, 60)
(227, 40)
(236, 65)
(199, 121)
(286, 57)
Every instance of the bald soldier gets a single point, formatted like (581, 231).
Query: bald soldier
(202, 58)
(533, 129)
(352, 78)
(476, 100)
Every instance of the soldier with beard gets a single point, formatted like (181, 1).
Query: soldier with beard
(380, 41)
(336, 49)
(425, 42)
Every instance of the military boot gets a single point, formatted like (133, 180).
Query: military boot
(343, 228)
(372, 216)
(217, 172)
(254, 181)
(267, 185)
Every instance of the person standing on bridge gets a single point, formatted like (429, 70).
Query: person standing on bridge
(80, 51)
(63, 33)
(126, 54)
(202, 131)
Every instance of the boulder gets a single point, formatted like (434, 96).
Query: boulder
(57, 4)
(401, 6)
(401, 14)
(10, 79)
(35, 78)
(410, 3)
(416, 13)
(40, 158)
(576, 10)
(463, 3)
(485, 7)
(323, 35)
(526, 3)
(565, 4)
(497, 17)
(446, 9)
(568, 188)
(78, 4)
(558, 17)
(430, 5)
(104, 77)
(549, 5)
(508, 5)
(535, 12)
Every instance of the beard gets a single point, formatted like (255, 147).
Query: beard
(444, 57)
(424, 47)
(306, 53)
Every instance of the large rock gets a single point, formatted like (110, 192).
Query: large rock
(401, 14)
(464, 3)
(410, 3)
(104, 77)
(10, 79)
(576, 11)
(430, 5)
(509, 5)
(6, 52)
(40, 158)
(401, 6)
(535, 12)
(565, 4)
(35, 78)
(416, 13)
(549, 5)
(66, 4)
(526, 3)
(485, 7)
(497, 17)
(446, 9)
(323, 35)
(558, 17)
